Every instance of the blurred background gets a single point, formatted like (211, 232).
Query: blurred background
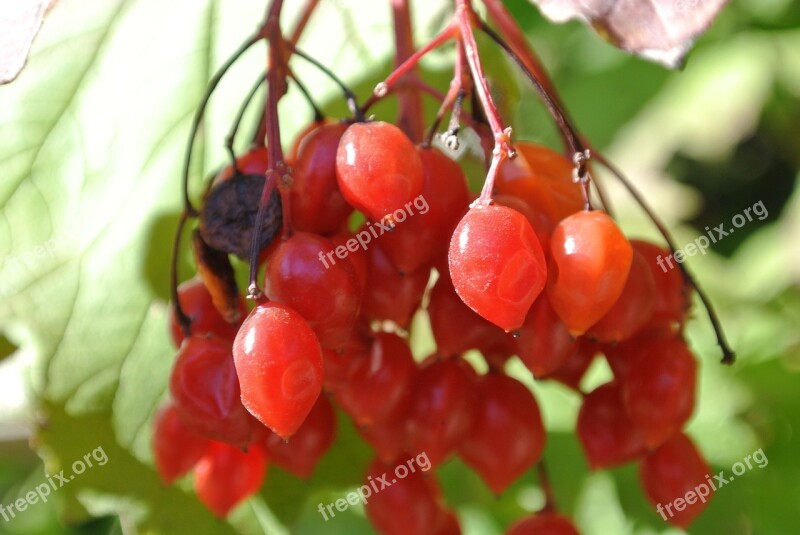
(92, 137)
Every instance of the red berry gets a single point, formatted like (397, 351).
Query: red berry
(381, 382)
(279, 363)
(379, 170)
(543, 524)
(670, 473)
(226, 476)
(543, 179)
(591, 260)
(634, 308)
(659, 389)
(326, 294)
(294, 150)
(388, 437)
(442, 409)
(456, 327)
(423, 236)
(339, 366)
(317, 204)
(447, 523)
(622, 355)
(507, 436)
(540, 223)
(572, 371)
(196, 303)
(205, 391)
(544, 344)
(389, 294)
(301, 454)
(412, 495)
(175, 447)
(606, 433)
(497, 265)
(672, 293)
(253, 162)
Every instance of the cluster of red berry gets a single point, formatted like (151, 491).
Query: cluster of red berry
(531, 273)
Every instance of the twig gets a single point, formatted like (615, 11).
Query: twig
(411, 118)
(728, 355)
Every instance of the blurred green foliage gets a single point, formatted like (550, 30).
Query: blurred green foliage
(93, 134)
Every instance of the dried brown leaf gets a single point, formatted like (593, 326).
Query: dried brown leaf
(659, 30)
(20, 20)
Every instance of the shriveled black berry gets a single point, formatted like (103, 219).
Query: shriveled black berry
(229, 214)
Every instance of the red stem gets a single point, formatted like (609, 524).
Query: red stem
(502, 135)
(276, 88)
(411, 119)
(300, 26)
(383, 88)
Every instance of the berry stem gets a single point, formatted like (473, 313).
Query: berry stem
(547, 487)
(517, 42)
(411, 119)
(183, 320)
(276, 88)
(580, 155)
(229, 140)
(456, 89)
(318, 115)
(464, 17)
(385, 87)
(301, 23)
(352, 102)
(728, 355)
(188, 207)
(261, 130)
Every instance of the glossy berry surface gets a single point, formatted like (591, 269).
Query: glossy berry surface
(634, 308)
(497, 264)
(672, 293)
(197, 304)
(378, 169)
(542, 178)
(389, 294)
(608, 436)
(659, 389)
(442, 409)
(544, 344)
(591, 259)
(279, 363)
(456, 327)
(413, 495)
(673, 471)
(205, 391)
(423, 236)
(253, 162)
(226, 476)
(303, 451)
(380, 383)
(317, 204)
(327, 295)
(175, 448)
(507, 436)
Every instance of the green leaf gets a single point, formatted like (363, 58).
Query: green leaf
(94, 133)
